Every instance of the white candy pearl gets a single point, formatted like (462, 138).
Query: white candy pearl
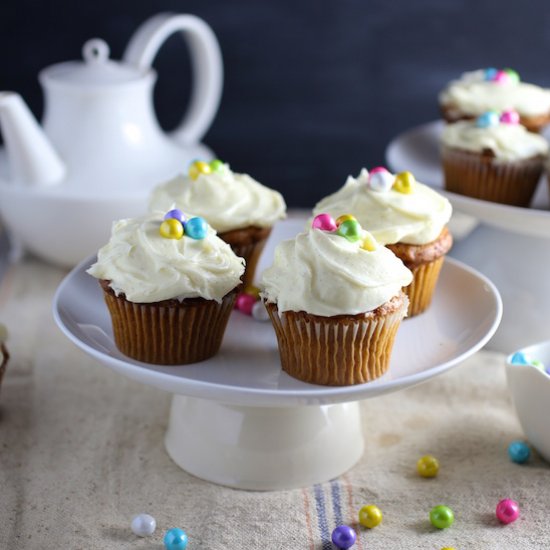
(259, 312)
(144, 525)
(381, 181)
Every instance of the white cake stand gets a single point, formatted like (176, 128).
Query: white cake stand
(239, 420)
(511, 245)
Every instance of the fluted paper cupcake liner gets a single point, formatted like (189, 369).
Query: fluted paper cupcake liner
(421, 290)
(248, 243)
(169, 332)
(482, 177)
(336, 351)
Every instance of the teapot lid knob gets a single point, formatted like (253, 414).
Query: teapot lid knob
(95, 51)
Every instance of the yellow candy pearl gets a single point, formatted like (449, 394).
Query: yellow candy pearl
(199, 167)
(171, 229)
(427, 466)
(370, 516)
(344, 218)
(369, 244)
(448, 548)
(252, 291)
(404, 183)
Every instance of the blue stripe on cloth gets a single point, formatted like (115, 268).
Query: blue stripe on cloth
(322, 517)
(336, 502)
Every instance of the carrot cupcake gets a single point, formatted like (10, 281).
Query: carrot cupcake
(169, 283)
(476, 92)
(493, 158)
(335, 299)
(239, 208)
(407, 216)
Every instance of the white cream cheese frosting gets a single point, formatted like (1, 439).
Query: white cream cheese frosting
(472, 94)
(323, 273)
(415, 218)
(225, 199)
(147, 267)
(508, 142)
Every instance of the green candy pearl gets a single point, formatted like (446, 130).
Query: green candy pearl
(513, 75)
(442, 517)
(350, 229)
(216, 165)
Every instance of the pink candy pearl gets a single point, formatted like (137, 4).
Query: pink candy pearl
(325, 222)
(507, 510)
(378, 169)
(509, 117)
(501, 77)
(245, 303)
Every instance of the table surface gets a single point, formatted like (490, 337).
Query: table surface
(81, 452)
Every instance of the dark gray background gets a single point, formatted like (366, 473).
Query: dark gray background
(313, 90)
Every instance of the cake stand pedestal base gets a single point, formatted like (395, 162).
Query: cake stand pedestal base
(263, 448)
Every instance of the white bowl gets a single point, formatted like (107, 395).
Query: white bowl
(530, 389)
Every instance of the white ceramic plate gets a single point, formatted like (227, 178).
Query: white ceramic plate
(417, 150)
(463, 316)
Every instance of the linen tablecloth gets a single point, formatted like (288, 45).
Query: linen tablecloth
(81, 452)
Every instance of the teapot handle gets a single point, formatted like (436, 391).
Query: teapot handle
(206, 61)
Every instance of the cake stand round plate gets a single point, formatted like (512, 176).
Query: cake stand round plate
(511, 244)
(239, 420)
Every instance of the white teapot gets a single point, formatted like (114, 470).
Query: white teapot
(100, 149)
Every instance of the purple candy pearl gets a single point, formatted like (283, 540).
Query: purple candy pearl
(176, 213)
(325, 222)
(343, 537)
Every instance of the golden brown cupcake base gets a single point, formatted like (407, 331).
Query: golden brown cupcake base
(168, 332)
(481, 176)
(247, 243)
(341, 350)
(425, 261)
(534, 123)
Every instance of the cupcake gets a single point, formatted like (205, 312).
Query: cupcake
(335, 300)
(493, 158)
(169, 285)
(239, 208)
(476, 92)
(4, 355)
(406, 216)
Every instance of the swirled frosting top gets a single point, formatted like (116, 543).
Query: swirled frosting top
(391, 216)
(226, 200)
(508, 142)
(323, 273)
(147, 267)
(474, 94)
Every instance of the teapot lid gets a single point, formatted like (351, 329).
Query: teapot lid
(96, 70)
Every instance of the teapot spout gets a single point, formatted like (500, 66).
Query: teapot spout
(31, 157)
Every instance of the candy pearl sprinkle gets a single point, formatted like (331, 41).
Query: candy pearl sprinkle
(175, 539)
(441, 517)
(519, 452)
(507, 511)
(343, 537)
(144, 525)
(325, 222)
(259, 312)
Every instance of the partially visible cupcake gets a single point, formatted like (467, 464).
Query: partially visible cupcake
(476, 92)
(408, 217)
(239, 208)
(335, 300)
(4, 355)
(493, 158)
(169, 284)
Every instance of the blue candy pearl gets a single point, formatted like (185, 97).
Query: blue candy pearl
(344, 537)
(196, 228)
(519, 452)
(488, 119)
(176, 213)
(490, 73)
(519, 359)
(175, 539)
